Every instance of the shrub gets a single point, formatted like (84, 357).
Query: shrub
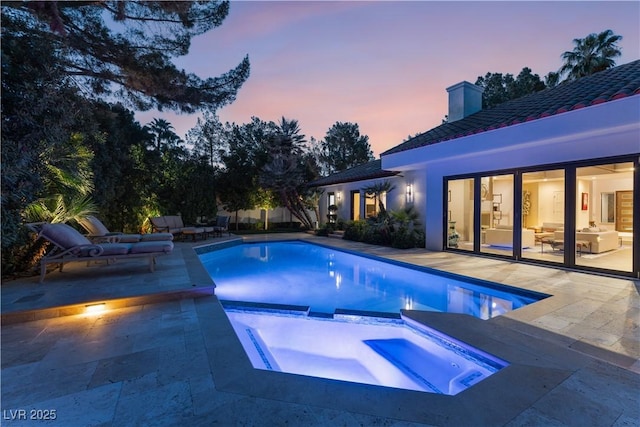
(403, 239)
(355, 230)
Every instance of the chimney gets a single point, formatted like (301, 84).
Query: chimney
(464, 100)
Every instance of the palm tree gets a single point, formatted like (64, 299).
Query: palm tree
(377, 190)
(162, 131)
(594, 53)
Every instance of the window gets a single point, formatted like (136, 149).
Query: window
(332, 208)
(460, 229)
(355, 205)
(543, 203)
(496, 214)
(604, 244)
(578, 215)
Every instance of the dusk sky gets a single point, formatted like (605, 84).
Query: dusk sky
(386, 65)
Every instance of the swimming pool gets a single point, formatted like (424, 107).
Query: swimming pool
(327, 279)
(311, 310)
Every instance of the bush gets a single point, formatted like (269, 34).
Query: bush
(382, 231)
(403, 239)
(324, 231)
(354, 230)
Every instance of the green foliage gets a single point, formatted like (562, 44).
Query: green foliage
(325, 230)
(399, 229)
(124, 49)
(288, 168)
(39, 112)
(594, 53)
(376, 190)
(499, 88)
(59, 147)
(126, 177)
(343, 147)
(355, 230)
(209, 138)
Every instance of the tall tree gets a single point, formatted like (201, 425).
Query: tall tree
(288, 168)
(125, 48)
(238, 184)
(209, 138)
(163, 132)
(41, 111)
(126, 176)
(343, 147)
(594, 53)
(499, 88)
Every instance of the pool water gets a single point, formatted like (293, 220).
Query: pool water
(398, 354)
(307, 309)
(326, 279)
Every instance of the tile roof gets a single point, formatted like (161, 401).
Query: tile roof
(608, 85)
(370, 170)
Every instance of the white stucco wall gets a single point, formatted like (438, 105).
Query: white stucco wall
(394, 200)
(600, 131)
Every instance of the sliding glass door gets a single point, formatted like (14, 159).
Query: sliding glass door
(497, 214)
(578, 215)
(604, 216)
(460, 224)
(543, 209)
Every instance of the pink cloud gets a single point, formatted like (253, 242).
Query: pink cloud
(385, 65)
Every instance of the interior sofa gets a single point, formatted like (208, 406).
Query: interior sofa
(502, 235)
(597, 239)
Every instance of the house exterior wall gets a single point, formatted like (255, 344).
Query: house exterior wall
(604, 130)
(394, 200)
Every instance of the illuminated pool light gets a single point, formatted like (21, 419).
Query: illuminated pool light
(398, 354)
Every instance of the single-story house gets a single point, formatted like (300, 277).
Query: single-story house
(551, 178)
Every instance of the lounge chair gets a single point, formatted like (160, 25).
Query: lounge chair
(222, 224)
(98, 233)
(71, 246)
(173, 224)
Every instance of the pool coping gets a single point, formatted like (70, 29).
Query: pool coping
(537, 365)
(530, 375)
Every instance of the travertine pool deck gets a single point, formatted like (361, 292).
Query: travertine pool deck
(164, 352)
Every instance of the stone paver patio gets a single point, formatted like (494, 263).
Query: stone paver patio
(165, 354)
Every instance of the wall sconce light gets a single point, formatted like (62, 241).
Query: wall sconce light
(338, 196)
(409, 193)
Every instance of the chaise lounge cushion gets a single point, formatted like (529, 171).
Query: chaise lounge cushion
(165, 246)
(64, 236)
(71, 246)
(98, 233)
(168, 224)
(154, 237)
(107, 249)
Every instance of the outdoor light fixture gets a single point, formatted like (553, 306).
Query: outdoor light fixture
(409, 194)
(95, 308)
(338, 195)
